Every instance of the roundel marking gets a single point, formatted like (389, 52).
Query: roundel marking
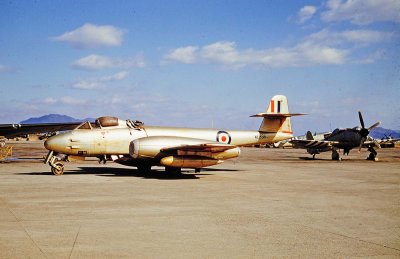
(224, 137)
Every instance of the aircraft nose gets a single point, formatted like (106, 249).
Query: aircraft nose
(55, 143)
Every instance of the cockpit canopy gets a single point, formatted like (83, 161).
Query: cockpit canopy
(102, 122)
(109, 121)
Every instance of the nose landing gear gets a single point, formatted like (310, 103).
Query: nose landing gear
(58, 168)
(54, 160)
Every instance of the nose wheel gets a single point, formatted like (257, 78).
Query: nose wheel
(57, 167)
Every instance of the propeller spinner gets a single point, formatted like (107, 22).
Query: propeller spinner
(364, 132)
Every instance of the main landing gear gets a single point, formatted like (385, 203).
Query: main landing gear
(54, 160)
(372, 154)
(335, 155)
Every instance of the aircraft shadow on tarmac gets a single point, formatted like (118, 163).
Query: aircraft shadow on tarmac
(129, 172)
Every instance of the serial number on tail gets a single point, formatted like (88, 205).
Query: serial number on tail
(261, 136)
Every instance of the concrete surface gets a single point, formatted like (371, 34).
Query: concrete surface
(268, 203)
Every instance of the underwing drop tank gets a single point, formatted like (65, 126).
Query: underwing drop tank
(188, 161)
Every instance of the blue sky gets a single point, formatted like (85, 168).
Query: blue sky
(202, 64)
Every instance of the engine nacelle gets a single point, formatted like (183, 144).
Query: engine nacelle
(150, 147)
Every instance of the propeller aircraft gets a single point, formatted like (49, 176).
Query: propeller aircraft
(132, 143)
(345, 139)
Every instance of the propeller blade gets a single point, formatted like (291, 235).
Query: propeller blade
(361, 143)
(361, 120)
(373, 126)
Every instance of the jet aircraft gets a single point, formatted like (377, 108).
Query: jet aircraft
(345, 139)
(132, 143)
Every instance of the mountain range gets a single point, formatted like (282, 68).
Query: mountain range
(54, 118)
(377, 132)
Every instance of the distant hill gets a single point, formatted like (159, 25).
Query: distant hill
(379, 133)
(54, 118)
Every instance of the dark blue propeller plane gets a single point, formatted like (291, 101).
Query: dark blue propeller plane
(345, 139)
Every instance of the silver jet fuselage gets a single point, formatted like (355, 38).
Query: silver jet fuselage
(131, 143)
(116, 140)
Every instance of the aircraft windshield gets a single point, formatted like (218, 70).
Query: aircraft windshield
(85, 125)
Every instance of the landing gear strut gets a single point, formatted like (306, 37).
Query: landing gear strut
(57, 167)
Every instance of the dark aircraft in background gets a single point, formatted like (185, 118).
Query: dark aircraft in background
(345, 139)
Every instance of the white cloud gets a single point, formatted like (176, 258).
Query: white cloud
(89, 84)
(49, 100)
(116, 77)
(91, 35)
(367, 36)
(306, 13)
(305, 54)
(350, 36)
(86, 84)
(93, 62)
(5, 69)
(185, 55)
(224, 53)
(320, 54)
(325, 47)
(371, 58)
(97, 62)
(71, 100)
(362, 12)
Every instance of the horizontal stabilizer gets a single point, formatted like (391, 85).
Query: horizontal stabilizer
(276, 115)
(303, 143)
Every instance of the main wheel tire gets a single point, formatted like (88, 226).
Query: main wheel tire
(58, 169)
(372, 157)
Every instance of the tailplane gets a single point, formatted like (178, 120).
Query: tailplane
(277, 117)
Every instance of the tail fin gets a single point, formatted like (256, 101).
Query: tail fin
(277, 117)
(309, 136)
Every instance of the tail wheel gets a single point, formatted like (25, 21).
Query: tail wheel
(58, 168)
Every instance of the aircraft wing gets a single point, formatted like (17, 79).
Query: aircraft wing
(372, 143)
(16, 130)
(303, 143)
(207, 147)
